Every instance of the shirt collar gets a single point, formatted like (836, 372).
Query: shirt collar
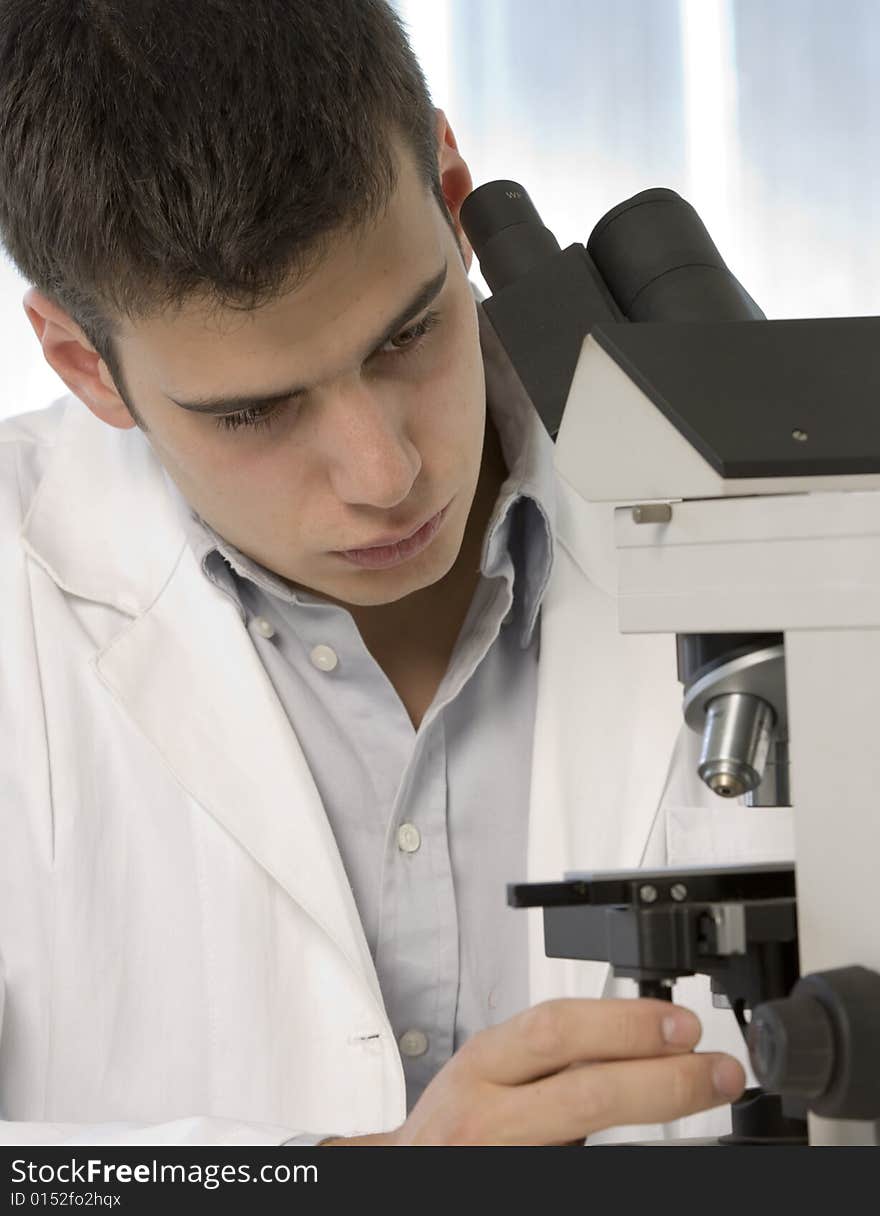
(525, 536)
(519, 541)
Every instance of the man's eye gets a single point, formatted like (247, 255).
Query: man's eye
(262, 417)
(410, 337)
(407, 340)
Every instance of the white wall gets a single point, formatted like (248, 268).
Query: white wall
(765, 114)
(26, 380)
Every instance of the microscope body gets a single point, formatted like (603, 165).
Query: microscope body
(793, 554)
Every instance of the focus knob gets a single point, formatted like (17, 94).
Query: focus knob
(791, 1045)
(821, 1043)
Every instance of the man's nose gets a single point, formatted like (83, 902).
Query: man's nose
(371, 458)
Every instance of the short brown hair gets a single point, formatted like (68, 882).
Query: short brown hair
(151, 150)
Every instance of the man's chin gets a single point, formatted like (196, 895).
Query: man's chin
(375, 588)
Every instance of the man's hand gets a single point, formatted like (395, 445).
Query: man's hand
(558, 1072)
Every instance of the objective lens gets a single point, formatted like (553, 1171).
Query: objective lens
(736, 740)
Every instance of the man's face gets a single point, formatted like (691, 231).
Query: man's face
(386, 429)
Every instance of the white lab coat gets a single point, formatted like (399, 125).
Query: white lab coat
(182, 955)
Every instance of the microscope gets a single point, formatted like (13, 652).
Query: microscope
(742, 459)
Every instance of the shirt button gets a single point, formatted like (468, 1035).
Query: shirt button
(324, 658)
(408, 838)
(263, 628)
(414, 1043)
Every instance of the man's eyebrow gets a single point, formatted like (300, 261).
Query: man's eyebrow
(225, 405)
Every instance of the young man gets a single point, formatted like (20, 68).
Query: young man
(305, 651)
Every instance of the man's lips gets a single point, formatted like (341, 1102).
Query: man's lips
(392, 539)
(383, 557)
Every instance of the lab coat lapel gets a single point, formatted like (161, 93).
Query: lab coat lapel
(187, 674)
(607, 721)
(184, 669)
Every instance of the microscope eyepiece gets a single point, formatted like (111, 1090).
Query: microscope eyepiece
(506, 232)
(661, 264)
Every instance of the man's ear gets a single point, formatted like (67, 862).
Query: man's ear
(455, 180)
(69, 353)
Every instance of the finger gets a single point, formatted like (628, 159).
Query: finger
(580, 1101)
(550, 1036)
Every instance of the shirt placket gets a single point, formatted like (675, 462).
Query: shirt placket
(417, 958)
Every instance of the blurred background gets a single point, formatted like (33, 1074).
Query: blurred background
(765, 114)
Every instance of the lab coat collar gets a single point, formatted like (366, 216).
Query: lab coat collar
(101, 523)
